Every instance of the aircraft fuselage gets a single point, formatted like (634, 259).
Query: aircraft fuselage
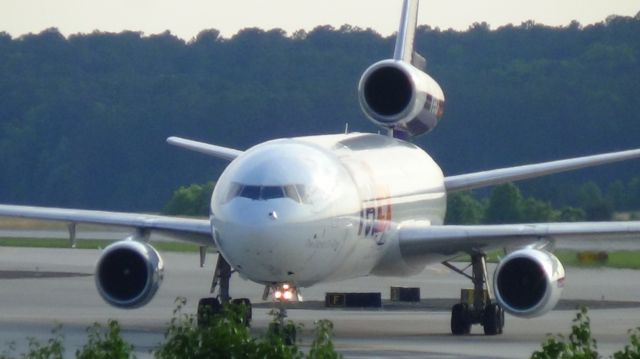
(311, 209)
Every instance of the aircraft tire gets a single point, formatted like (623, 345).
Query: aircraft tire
(493, 321)
(207, 309)
(248, 309)
(460, 319)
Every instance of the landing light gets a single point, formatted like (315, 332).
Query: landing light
(286, 293)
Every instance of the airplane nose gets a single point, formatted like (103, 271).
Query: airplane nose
(275, 211)
(264, 240)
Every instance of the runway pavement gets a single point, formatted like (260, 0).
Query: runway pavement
(40, 287)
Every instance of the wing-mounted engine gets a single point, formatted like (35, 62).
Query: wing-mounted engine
(528, 282)
(129, 273)
(395, 95)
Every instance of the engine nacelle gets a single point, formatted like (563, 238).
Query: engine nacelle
(528, 282)
(395, 95)
(129, 273)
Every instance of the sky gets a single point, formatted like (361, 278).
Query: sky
(187, 18)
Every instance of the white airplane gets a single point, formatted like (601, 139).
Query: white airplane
(290, 213)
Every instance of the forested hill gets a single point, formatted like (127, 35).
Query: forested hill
(83, 120)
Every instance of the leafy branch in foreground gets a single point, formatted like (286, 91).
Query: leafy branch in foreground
(580, 344)
(52, 349)
(226, 335)
(106, 343)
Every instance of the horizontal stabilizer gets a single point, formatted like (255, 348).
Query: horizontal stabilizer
(224, 153)
(503, 175)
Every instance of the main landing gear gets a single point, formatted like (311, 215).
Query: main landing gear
(481, 310)
(211, 306)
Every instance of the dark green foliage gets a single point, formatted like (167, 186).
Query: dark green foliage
(52, 349)
(83, 120)
(571, 214)
(322, 347)
(579, 344)
(191, 201)
(505, 205)
(105, 343)
(632, 350)
(463, 208)
(227, 336)
(596, 206)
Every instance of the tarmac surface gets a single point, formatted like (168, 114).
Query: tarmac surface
(42, 287)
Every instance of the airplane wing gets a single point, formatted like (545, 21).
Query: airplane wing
(224, 153)
(504, 175)
(198, 231)
(418, 237)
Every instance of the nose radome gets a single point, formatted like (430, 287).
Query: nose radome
(273, 202)
(269, 250)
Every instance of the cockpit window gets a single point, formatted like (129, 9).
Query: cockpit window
(295, 192)
(270, 192)
(291, 191)
(251, 192)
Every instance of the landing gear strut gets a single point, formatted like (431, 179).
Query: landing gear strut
(482, 310)
(211, 306)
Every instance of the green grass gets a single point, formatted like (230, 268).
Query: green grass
(620, 259)
(91, 244)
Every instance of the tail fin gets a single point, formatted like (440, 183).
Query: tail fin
(397, 94)
(404, 50)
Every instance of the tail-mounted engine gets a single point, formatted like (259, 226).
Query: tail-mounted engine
(528, 282)
(395, 95)
(129, 273)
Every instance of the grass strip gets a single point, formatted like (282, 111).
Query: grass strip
(569, 258)
(91, 244)
(620, 259)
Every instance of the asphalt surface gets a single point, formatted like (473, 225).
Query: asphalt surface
(42, 287)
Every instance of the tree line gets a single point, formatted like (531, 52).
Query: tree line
(83, 119)
(504, 204)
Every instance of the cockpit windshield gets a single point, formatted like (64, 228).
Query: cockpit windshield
(295, 192)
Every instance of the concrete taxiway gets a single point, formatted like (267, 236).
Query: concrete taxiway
(41, 287)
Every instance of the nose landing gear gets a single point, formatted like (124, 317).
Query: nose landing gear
(209, 307)
(283, 293)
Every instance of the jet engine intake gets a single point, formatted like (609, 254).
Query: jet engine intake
(129, 273)
(528, 282)
(395, 95)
